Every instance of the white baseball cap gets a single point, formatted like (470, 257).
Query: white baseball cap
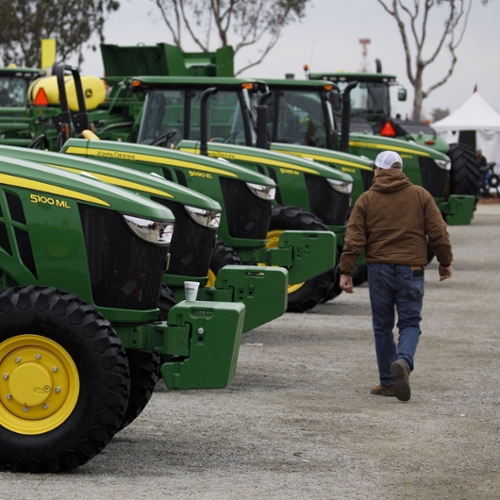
(386, 159)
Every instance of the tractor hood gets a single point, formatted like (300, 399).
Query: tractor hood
(60, 188)
(344, 162)
(193, 165)
(298, 163)
(404, 148)
(152, 185)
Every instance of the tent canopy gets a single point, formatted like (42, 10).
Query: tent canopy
(474, 114)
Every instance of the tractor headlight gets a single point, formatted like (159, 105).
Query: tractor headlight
(264, 192)
(444, 164)
(153, 231)
(205, 218)
(340, 186)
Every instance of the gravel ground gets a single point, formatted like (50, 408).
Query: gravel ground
(298, 422)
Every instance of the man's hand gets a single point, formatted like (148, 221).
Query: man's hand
(346, 283)
(445, 272)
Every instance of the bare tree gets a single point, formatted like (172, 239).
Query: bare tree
(418, 14)
(250, 22)
(24, 23)
(439, 113)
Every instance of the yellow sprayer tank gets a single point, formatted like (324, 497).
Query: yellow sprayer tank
(94, 91)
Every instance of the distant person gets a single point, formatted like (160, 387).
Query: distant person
(481, 159)
(390, 222)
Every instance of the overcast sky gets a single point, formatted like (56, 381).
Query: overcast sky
(327, 39)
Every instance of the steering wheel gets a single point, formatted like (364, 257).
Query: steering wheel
(231, 138)
(162, 140)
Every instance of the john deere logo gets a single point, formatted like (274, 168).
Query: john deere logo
(88, 93)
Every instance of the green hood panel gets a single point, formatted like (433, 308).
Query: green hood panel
(266, 157)
(195, 165)
(404, 148)
(116, 175)
(63, 188)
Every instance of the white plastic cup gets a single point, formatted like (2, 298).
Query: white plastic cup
(191, 289)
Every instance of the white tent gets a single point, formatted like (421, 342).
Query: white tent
(474, 114)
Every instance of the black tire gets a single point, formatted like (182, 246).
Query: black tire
(144, 369)
(167, 301)
(79, 359)
(360, 275)
(222, 255)
(315, 290)
(465, 174)
(334, 290)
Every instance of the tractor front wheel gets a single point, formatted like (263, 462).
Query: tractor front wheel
(64, 383)
(223, 255)
(306, 295)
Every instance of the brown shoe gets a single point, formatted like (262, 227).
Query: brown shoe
(380, 390)
(401, 376)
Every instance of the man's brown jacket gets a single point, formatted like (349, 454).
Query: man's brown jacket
(390, 223)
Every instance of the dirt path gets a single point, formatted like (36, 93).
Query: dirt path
(298, 422)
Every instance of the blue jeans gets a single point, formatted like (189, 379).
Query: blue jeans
(395, 286)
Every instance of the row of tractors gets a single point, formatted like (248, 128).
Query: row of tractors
(115, 192)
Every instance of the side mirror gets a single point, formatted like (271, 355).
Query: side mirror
(402, 94)
(335, 100)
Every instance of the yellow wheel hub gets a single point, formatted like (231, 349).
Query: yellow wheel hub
(39, 384)
(273, 238)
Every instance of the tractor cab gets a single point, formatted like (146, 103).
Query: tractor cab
(14, 84)
(173, 109)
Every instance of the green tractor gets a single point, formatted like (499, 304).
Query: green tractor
(191, 249)
(15, 111)
(369, 112)
(81, 268)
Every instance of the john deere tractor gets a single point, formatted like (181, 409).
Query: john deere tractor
(81, 268)
(370, 113)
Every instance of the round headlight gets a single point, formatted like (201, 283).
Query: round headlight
(343, 187)
(444, 164)
(204, 217)
(153, 231)
(264, 192)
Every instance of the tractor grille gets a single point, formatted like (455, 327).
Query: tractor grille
(22, 237)
(192, 244)
(125, 271)
(367, 178)
(326, 203)
(247, 216)
(4, 239)
(434, 179)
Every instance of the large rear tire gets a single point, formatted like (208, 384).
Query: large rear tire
(465, 174)
(65, 380)
(304, 296)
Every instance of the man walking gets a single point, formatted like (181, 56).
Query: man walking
(392, 222)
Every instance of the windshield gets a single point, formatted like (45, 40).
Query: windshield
(301, 118)
(369, 98)
(155, 122)
(13, 92)
(164, 115)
